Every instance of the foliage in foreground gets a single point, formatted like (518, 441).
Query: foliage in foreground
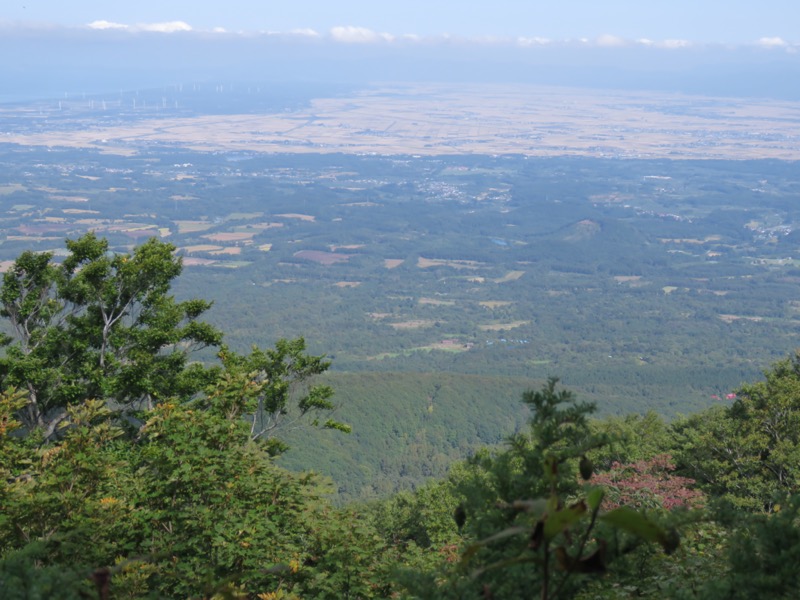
(127, 471)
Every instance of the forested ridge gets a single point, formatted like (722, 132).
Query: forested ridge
(133, 469)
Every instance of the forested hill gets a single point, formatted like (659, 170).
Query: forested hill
(634, 280)
(130, 470)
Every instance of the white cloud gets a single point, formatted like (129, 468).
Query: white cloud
(772, 42)
(308, 32)
(610, 41)
(645, 42)
(167, 27)
(106, 25)
(674, 44)
(358, 35)
(532, 41)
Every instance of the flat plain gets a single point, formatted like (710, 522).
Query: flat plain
(430, 120)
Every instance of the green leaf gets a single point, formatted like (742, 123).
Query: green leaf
(506, 533)
(594, 498)
(563, 519)
(637, 524)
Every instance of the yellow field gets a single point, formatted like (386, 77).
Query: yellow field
(424, 263)
(230, 250)
(430, 119)
(492, 304)
(414, 324)
(502, 326)
(201, 248)
(10, 188)
(510, 276)
(436, 302)
(229, 236)
(193, 226)
(309, 218)
(732, 318)
(79, 211)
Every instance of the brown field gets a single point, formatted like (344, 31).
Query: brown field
(347, 284)
(492, 304)
(429, 119)
(626, 278)
(229, 236)
(376, 315)
(502, 326)
(265, 247)
(392, 263)
(335, 247)
(323, 258)
(37, 229)
(31, 238)
(5, 265)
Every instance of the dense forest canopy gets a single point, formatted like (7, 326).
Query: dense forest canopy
(131, 470)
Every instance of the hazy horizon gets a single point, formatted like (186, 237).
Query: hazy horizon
(724, 49)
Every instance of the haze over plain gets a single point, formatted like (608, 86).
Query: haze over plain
(721, 48)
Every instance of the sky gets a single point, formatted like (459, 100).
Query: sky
(696, 21)
(724, 47)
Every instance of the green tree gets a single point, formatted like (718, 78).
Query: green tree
(749, 452)
(99, 325)
(529, 527)
(278, 388)
(190, 507)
